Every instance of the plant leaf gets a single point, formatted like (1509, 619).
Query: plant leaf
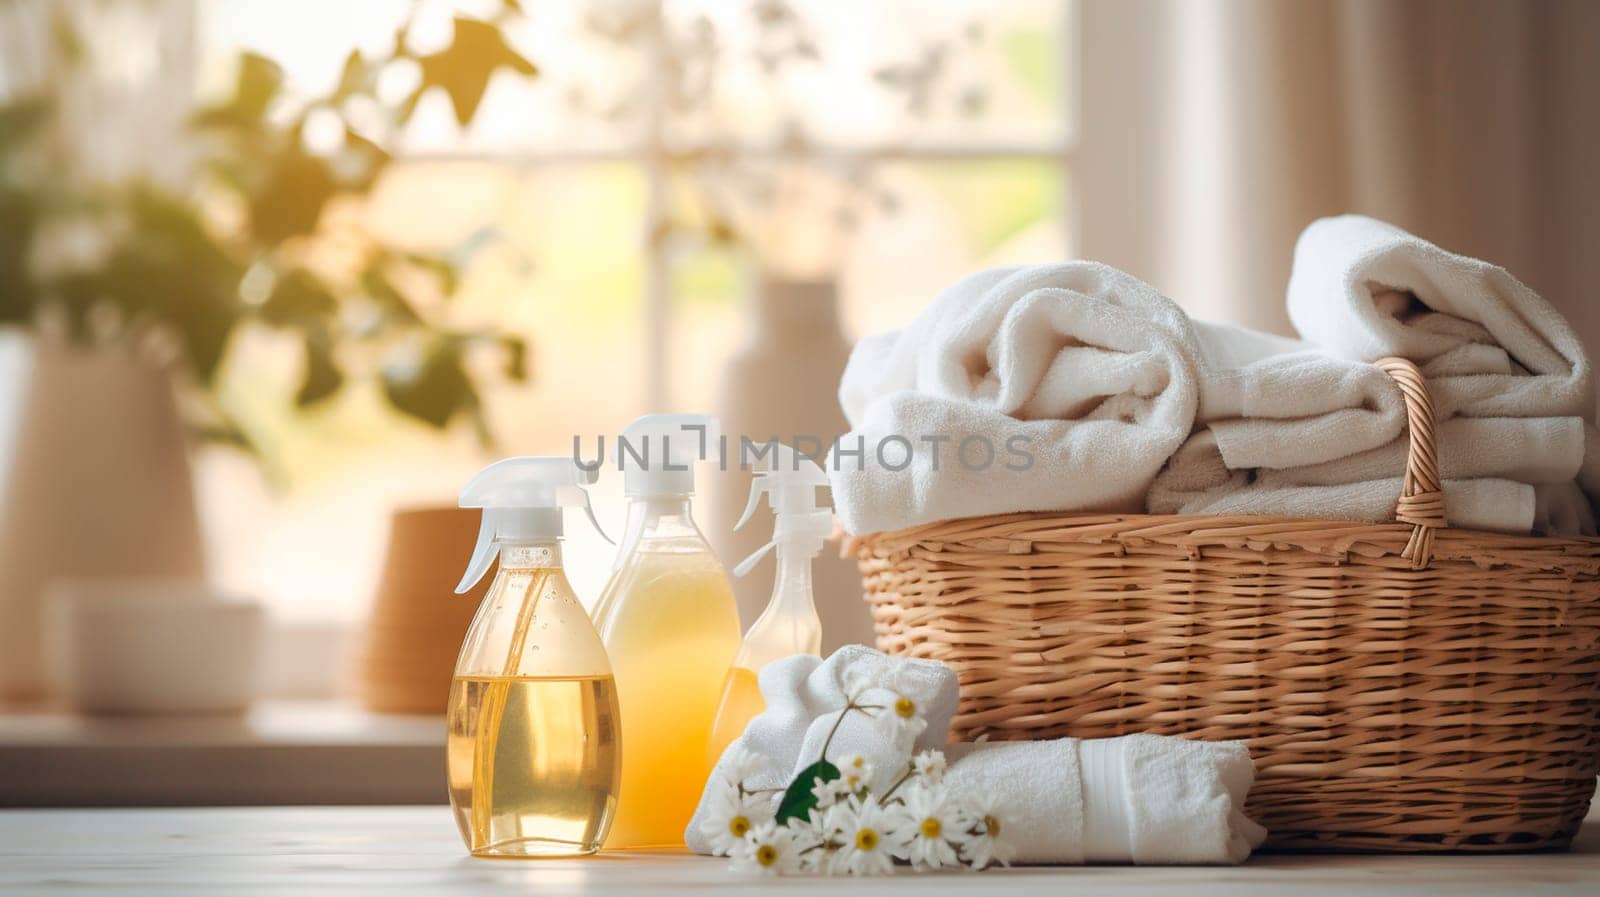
(434, 390)
(298, 297)
(798, 800)
(289, 202)
(255, 87)
(516, 368)
(322, 377)
(463, 69)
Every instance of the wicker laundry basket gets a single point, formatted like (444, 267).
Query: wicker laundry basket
(1403, 687)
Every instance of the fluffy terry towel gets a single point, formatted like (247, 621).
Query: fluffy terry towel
(1139, 798)
(1143, 799)
(1488, 344)
(1509, 379)
(1067, 384)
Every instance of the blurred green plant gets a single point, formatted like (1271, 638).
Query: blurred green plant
(245, 242)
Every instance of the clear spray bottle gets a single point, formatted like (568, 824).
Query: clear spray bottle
(790, 624)
(533, 753)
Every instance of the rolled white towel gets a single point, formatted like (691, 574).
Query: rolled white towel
(1143, 799)
(1074, 382)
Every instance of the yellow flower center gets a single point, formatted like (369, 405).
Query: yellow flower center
(738, 825)
(859, 762)
(766, 854)
(931, 828)
(853, 780)
(905, 707)
(866, 839)
(992, 825)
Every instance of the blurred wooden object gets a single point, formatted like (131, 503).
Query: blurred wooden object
(417, 621)
(99, 488)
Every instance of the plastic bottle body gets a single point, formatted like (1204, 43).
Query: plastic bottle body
(533, 743)
(670, 627)
(789, 625)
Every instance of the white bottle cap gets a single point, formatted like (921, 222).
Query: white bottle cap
(522, 499)
(657, 452)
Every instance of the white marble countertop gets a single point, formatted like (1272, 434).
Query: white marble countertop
(415, 850)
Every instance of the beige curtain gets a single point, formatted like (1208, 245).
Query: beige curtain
(1213, 131)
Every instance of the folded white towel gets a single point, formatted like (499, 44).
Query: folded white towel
(1488, 344)
(1143, 799)
(804, 696)
(1365, 289)
(1078, 373)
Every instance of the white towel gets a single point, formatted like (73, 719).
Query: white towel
(1084, 369)
(804, 696)
(1365, 289)
(1488, 344)
(1143, 799)
(1140, 798)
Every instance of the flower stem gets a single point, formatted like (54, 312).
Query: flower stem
(896, 786)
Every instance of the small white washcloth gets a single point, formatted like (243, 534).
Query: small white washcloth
(804, 696)
(1143, 799)
(1085, 368)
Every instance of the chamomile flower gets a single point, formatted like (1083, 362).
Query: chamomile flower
(856, 772)
(831, 791)
(768, 849)
(929, 828)
(740, 765)
(731, 817)
(863, 829)
(905, 714)
(929, 766)
(986, 842)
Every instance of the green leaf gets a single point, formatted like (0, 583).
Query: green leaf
(322, 377)
(289, 202)
(20, 119)
(434, 390)
(516, 368)
(382, 290)
(463, 69)
(298, 298)
(798, 799)
(255, 87)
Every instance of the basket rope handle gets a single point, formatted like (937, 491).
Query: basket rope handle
(1421, 497)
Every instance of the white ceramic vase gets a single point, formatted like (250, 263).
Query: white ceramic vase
(99, 487)
(784, 382)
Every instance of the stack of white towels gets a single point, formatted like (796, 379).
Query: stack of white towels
(1096, 393)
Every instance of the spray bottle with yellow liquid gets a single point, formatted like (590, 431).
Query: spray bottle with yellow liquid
(790, 624)
(670, 626)
(533, 749)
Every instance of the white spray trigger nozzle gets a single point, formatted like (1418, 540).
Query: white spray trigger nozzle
(790, 481)
(522, 498)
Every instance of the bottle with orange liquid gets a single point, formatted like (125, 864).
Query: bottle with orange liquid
(790, 624)
(670, 626)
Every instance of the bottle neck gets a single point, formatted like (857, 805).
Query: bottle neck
(530, 554)
(791, 585)
(656, 516)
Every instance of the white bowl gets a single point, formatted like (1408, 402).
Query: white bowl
(152, 647)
